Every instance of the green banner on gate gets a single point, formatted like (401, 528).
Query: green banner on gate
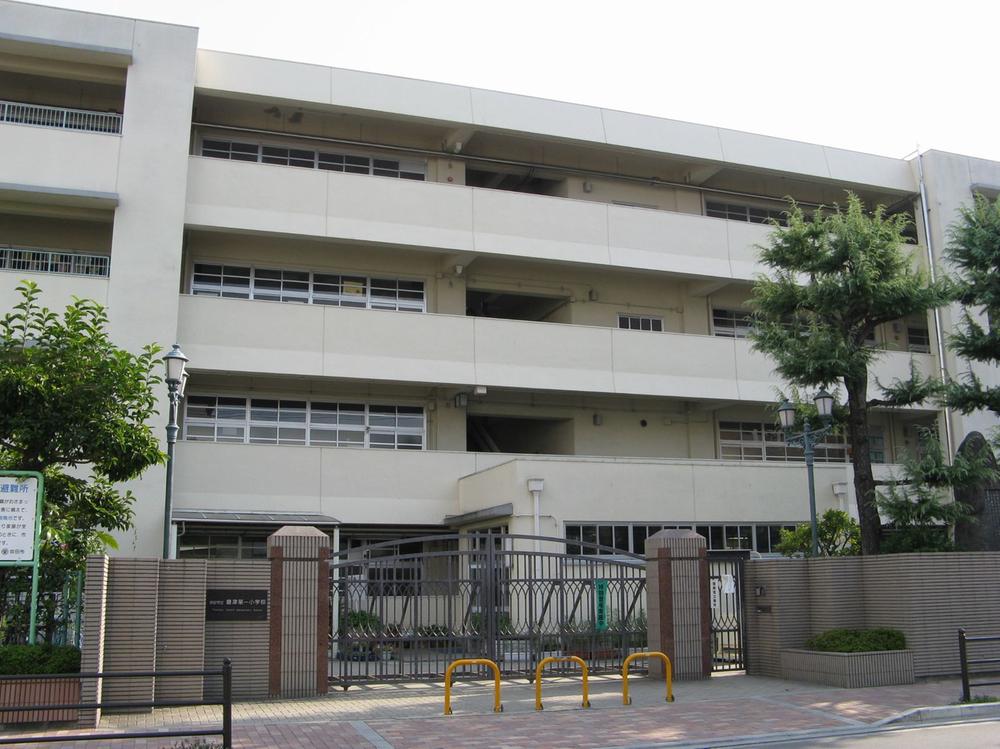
(601, 604)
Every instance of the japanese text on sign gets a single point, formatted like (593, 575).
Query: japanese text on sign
(18, 503)
(601, 591)
(236, 605)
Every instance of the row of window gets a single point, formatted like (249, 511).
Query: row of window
(35, 260)
(217, 418)
(730, 323)
(306, 287)
(631, 537)
(748, 213)
(755, 440)
(351, 163)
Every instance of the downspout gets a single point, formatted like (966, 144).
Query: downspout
(938, 332)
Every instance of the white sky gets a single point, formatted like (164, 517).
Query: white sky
(880, 76)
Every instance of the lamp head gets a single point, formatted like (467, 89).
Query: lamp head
(786, 413)
(824, 405)
(175, 363)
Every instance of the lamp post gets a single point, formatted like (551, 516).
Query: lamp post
(807, 439)
(176, 365)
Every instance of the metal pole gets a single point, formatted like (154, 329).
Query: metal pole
(807, 446)
(227, 703)
(171, 439)
(33, 624)
(963, 656)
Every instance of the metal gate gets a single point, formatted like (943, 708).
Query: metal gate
(511, 598)
(725, 570)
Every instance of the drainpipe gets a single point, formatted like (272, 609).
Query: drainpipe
(535, 486)
(938, 332)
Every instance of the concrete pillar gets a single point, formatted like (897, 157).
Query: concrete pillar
(95, 597)
(678, 615)
(300, 611)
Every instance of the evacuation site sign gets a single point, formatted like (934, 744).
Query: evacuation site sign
(601, 592)
(18, 515)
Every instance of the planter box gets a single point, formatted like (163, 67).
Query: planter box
(39, 692)
(849, 670)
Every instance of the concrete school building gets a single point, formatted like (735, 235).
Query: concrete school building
(404, 299)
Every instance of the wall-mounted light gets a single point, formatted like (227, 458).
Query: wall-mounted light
(479, 390)
(461, 400)
(598, 419)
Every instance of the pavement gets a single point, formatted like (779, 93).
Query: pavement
(726, 709)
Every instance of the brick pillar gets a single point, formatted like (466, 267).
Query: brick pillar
(95, 597)
(678, 618)
(299, 611)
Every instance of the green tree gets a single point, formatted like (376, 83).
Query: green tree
(75, 407)
(837, 532)
(834, 278)
(974, 251)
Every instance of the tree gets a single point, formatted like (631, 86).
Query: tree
(974, 251)
(72, 404)
(837, 532)
(836, 276)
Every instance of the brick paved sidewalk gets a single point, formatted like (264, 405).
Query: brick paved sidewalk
(409, 716)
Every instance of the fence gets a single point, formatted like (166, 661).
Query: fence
(59, 611)
(16, 697)
(963, 653)
(37, 260)
(61, 117)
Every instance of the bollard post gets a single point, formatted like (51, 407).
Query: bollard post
(227, 703)
(963, 657)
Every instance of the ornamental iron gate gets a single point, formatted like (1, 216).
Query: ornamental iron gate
(511, 598)
(726, 602)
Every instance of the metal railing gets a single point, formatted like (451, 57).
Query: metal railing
(963, 654)
(226, 702)
(37, 260)
(61, 117)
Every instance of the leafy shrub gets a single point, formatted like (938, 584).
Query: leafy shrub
(857, 640)
(39, 659)
(363, 620)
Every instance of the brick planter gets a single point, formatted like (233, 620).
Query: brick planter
(849, 670)
(39, 692)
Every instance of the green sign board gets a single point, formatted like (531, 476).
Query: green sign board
(22, 497)
(601, 604)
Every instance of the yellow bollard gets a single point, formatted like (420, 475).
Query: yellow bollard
(555, 659)
(497, 707)
(626, 700)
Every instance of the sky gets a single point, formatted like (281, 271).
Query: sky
(882, 76)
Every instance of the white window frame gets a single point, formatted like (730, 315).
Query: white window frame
(310, 157)
(365, 300)
(653, 527)
(769, 439)
(744, 211)
(653, 320)
(248, 423)
(918, 348)
(736, 316)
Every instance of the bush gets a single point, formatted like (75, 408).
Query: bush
(857, 640)
(18, 660)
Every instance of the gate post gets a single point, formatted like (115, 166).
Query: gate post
(300, 611)
(676, 604)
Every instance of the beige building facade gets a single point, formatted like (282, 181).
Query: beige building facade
(403, 299)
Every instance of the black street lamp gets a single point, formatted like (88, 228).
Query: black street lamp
(176, 365)
(808, 439)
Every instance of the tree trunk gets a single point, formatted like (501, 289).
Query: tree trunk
(864, 481)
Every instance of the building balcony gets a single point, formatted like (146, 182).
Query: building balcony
(423, 487)
(256, 337)
(441, 217)
(42, 160)
(64, 118)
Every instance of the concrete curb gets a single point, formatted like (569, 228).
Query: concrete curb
(945, 712)
(906, 719)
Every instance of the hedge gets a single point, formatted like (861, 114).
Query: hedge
(16, 660)
(857, 640)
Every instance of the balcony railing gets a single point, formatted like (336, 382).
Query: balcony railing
(62, 117)
(34, 260)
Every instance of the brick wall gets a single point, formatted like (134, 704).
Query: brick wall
(926, 596)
